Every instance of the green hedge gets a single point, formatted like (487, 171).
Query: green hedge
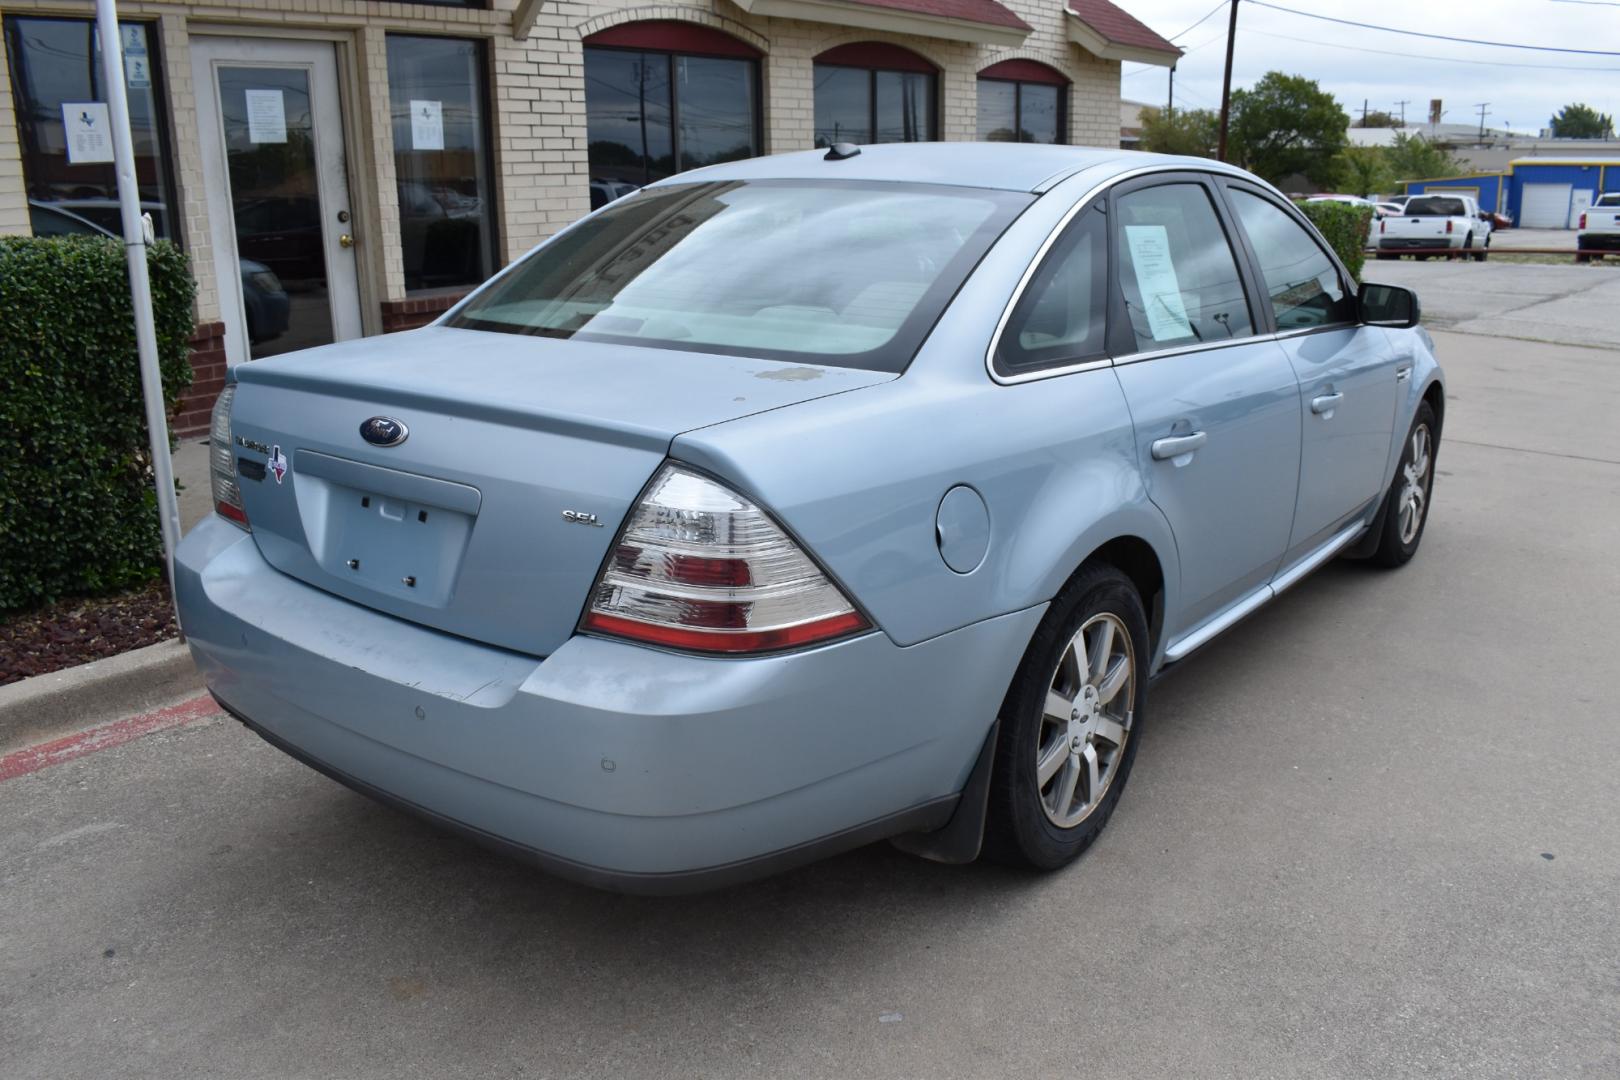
(1345, 226)
(78, 512)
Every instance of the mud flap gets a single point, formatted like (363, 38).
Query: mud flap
(959, 840)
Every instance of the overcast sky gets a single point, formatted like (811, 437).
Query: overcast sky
(1523, 98)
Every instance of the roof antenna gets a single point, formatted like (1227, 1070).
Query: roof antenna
(840, 151)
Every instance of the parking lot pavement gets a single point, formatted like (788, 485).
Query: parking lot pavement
(1375, 831)
(1569, 305)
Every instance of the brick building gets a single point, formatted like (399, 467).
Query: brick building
(345, 167)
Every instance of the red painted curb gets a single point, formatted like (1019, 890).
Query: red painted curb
(34, 758)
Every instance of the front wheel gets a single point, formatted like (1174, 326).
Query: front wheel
(1070, 725)
(1407, 509)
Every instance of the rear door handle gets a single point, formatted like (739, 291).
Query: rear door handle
(1403, 373)
(1176, 445)
(1326, 403)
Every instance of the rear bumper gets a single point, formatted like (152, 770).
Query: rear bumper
(1429, 243)
(1598, 242)
(616, 765)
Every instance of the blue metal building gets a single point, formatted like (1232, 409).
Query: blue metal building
(1537, 193)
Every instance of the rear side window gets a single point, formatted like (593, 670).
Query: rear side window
(1301, 280)
(1435, 206)
(851, 274)
(1177, 274)
(1062, 316)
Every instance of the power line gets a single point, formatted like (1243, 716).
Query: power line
(1184, 55)
(1200, 22)
(1434, 37)
(1427, 56)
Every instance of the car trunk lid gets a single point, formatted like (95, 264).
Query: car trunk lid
(491, 516)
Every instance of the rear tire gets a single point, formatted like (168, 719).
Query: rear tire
(1088, 661)
(1406, 509)
(1484, 252)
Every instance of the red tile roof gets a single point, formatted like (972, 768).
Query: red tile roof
(1119, 26)
(978, 11)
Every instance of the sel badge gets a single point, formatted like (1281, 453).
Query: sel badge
(278, 463)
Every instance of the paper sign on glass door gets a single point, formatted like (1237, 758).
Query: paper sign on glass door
(1156, 281)
(89, 139)
(427, 125)
(267, 116)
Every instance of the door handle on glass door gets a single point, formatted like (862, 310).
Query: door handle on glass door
(1176, 445)
(1326, 403)
(346, 240)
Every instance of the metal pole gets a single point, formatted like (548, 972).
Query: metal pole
(140, 287)
(1226, 83)
(1170, 104)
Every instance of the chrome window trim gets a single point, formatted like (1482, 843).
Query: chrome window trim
(1081, 205)
(1197, 346)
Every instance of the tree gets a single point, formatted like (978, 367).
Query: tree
(1377, 119)
(1581, 121)
(1287, 124)
(1193, 132)
(1363, 170)
(1412, 157)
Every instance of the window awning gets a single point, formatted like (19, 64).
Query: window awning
(1106, 30)
(984, 22)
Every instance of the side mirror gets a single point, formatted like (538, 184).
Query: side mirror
(1388, 305)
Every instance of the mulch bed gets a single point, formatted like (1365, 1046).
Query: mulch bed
(80, 629)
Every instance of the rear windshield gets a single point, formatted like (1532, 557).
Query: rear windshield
(1435, 206)
(842, 273)
(1608, 202)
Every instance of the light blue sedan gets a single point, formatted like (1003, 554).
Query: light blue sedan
(807, 501)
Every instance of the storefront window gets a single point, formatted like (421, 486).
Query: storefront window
(652, 112)
(1021, 101)
(71, 184)
(436, 90)
(872, 93)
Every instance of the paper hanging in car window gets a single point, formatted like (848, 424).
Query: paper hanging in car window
(1156, 281)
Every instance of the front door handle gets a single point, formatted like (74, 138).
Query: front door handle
(1176, 445)
(1326, 403)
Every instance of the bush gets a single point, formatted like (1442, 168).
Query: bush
(1346, 227)
(78, 512)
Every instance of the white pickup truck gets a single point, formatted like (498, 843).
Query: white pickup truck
(1599, 228)
(1431, 222)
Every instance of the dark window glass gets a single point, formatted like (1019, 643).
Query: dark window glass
(1061, 318)
(441, 160)
(1303, 283)
(998, 111)
(717, 110)
(1020, 111)
(872, 106)
(649, 115)
(1434, 206)
(58, 61)
(1176, 269)
(842, 273)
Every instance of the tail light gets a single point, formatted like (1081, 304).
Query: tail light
(700, 567)
(222, 461)
(1380, 226)
(1450, 225)
(1582, 225)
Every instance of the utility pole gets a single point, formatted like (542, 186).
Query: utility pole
(1226, 83)
(1170, 104)
(1402, 106)
(1484, 111)
(1363, 112)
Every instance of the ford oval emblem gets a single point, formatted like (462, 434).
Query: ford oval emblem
(384, 431)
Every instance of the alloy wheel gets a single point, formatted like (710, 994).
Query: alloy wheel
(1086, 720)
(1414, 499)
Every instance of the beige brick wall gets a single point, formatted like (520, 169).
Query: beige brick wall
(538, 101)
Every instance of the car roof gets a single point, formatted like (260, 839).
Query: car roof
(1007, 166)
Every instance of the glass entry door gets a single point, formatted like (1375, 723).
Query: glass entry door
(278, 194)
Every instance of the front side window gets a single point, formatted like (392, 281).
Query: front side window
(1020, 112)
(1304, 286)
(1061, 317)
(651, 114)
(874, 94)
(1177, 274)
(441, 160)
(843, 273)
(71, 184)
